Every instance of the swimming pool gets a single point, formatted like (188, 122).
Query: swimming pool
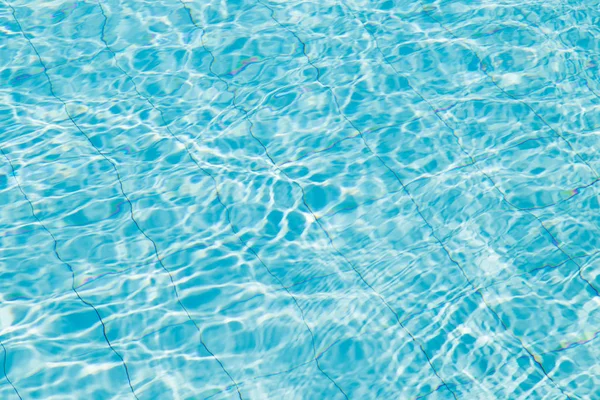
(268, 199)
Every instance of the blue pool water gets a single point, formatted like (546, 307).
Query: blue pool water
(283, 199)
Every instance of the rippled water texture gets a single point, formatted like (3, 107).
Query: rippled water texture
(283, 199)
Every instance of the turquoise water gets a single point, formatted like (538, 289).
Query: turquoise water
(299, 200)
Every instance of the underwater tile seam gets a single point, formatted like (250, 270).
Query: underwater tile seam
(247, 359)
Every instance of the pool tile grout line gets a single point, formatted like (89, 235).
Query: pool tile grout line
(474, 163)
(528, 211)
(5, 372)
(477, 290)
(55, 248)
(310, 210)
(114, 167)
(215, 184)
